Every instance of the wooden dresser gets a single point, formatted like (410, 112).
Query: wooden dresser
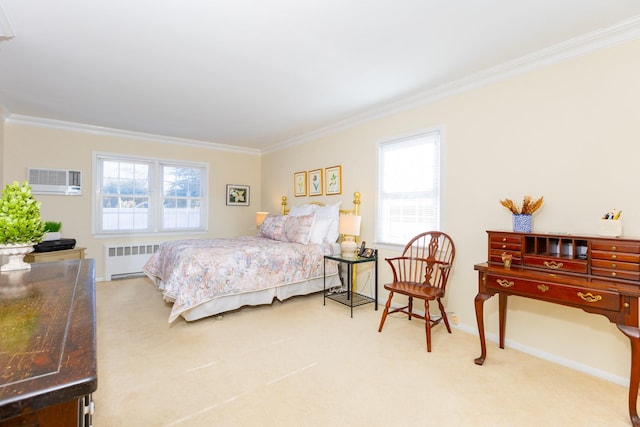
(48, 365)
(599, 275)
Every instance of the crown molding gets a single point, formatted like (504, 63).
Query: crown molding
(104, 131)
(6, 32)
(621, 32)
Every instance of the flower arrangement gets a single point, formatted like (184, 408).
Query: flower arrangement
(529, 206)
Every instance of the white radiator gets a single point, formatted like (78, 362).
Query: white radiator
(126, 260)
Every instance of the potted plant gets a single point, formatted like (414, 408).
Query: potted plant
(52, 230)
(20, 225)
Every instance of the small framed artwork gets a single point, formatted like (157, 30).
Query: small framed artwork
(300, 184)
(315, 182)
(333, 180)
(237, 195)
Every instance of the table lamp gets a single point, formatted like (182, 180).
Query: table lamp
(260, 216)
(349, 227)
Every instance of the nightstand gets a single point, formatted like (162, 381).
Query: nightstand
(64, 255)
(351, 298)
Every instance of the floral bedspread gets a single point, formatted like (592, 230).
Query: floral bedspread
(192, 272)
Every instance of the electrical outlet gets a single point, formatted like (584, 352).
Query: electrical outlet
(454, 318)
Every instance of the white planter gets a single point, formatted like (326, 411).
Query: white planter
(52, 235)
(16, 253)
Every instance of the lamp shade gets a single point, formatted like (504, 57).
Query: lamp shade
(260, 216)
(349, 225)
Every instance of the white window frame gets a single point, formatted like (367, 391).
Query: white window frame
(419, 208)
(156, 195)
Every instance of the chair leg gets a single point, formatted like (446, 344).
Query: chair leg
(427, 324)
(385, 311)
(444, 315)
(410, 307)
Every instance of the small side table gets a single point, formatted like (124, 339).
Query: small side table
(351, 298)
(63, 255)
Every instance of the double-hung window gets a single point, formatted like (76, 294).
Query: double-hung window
(408, 187)
(146, 195)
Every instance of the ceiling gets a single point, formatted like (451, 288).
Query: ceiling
(258, 74)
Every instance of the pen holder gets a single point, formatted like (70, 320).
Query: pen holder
(610, 227)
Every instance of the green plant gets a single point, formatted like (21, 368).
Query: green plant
(52, 226)
(19, 215)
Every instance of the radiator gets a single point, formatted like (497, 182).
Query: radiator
(122, 261)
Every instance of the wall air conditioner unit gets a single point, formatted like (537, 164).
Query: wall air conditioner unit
(55, 181)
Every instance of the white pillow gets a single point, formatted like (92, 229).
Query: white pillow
(302, 210)
(332, 214)
(319, 230)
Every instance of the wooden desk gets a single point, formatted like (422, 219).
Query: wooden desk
(48, 365)
(598, 275)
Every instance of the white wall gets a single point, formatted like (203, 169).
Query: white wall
(28, 145)
(568, 132)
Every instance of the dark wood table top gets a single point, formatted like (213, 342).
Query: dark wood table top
(47, 335)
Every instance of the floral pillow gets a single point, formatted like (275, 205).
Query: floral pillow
(273, 227)
(297, 229)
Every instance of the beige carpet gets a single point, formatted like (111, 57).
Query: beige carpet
(300, 363)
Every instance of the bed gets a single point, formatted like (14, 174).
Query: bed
(206, 277)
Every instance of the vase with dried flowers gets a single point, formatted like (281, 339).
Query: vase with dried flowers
(522, 214)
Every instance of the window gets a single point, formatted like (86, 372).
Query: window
(144, 195)
(408, 187)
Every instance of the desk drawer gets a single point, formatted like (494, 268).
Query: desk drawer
(616, 274)
(606, 300)
(616, 246)
(495, 256)
(556, 264)
(616, 256)
(615, 265)
(506, 245)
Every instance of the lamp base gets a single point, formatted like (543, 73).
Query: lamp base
(348, 248)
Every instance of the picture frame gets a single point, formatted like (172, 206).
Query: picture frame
(300, 184)
(315, 182)
(238, 195)
(333, 180)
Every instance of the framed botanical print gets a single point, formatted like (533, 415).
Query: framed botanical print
(315, 182)
(300, 184)
(237, 195)
(333, 180)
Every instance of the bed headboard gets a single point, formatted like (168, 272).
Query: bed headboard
(354, 211)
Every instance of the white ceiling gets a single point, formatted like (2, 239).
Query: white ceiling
(259, 74)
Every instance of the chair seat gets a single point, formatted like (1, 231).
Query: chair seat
(415, 289)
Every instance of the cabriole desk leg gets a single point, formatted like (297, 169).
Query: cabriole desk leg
(633, 333)
(479, 303)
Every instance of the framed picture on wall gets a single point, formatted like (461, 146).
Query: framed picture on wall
(315, 182)
(300, 184)
(237, 195)
(333, 180)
